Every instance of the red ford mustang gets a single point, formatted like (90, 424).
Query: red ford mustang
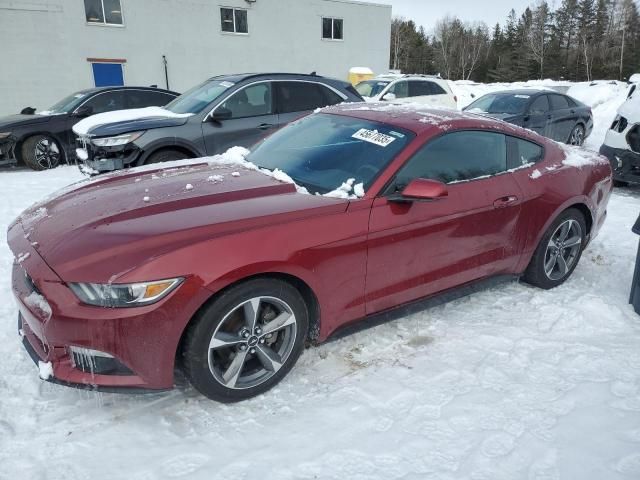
(225, 268)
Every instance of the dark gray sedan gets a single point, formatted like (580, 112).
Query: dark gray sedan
(222, 112)
(554, 115)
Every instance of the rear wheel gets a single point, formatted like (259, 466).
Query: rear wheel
(246, 340)
(166, 156)
(577, 136)
(41, 152)
(559, 251)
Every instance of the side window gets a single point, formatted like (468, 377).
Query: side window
(522, 152)
(299, 97)
(419, 88)
(330, 97)
(252, 101)
(558, 102)
(457, 156)
(147, 98)
(540, 105)
(400, 89)
(107, 102)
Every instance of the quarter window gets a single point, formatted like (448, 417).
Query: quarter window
(106, 12)
(523, 152)
(456, 157)
(332, 28)
(234, 20)
(252, 101)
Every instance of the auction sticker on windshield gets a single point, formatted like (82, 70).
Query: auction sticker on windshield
(373, 136)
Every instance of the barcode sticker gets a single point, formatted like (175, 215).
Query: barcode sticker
(373, 136)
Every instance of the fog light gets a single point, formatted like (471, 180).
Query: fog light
(97, 362)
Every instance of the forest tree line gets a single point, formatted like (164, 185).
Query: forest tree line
(580, 40)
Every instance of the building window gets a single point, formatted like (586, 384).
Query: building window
(332, 28)
(105, 12)
(234, 20)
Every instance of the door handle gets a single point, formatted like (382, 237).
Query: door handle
(265, 126)
(505, 201)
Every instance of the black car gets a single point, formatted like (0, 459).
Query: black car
(42, 140)
(554, 115)
(222, 112)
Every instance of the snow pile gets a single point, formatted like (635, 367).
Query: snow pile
(84, 126)
(45, 370)
(348, 190)
(581, 157)
(37, 302)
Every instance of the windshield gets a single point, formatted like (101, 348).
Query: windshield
(500, 103)
(371, 88)
(322, 151)
(196, 99)
(66, 105)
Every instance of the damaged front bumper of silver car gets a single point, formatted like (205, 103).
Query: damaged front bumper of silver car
(7, 149)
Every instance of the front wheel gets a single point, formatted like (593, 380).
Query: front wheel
(41, 152)
(559, 251)
(246, 340)
(577, 136)
(165, 156)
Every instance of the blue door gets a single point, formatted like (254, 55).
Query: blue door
(108, 74)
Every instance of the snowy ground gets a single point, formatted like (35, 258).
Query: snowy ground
(510, 383)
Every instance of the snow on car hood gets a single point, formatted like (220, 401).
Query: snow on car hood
(631, 108)
(84, 127)
(115, 222)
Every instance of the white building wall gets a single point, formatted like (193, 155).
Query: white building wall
(45, 44)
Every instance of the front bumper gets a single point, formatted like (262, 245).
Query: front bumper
(7, 151)
(107, 159)
(142, 340)
(625, 164)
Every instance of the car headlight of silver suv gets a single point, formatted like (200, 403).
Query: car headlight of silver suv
(117, 140)
(124, 295)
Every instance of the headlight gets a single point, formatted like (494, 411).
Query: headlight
(4, 135)
(118, 140)
(124, 295)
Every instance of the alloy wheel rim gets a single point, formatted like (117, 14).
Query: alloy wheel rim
(577, 137)
(563, 249)
(47, 153)
(252, 342)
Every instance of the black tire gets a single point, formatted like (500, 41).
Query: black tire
(41, 152)
(577, 136)
(165, 156)
(535, 273)
(200, 361)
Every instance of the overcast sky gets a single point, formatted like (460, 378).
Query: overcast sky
(428, 12)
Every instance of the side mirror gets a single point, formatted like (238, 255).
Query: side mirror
(220, 114)
(421, 189)
(83, 111)
(389, 97)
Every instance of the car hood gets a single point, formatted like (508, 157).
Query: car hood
(13, 121)
(96, 230)
(132, 120)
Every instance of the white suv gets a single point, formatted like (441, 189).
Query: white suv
(622, 143)
(423, 89)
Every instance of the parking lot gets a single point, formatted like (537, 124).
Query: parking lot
(513, 382)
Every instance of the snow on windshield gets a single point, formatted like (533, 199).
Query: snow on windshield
(83, 127)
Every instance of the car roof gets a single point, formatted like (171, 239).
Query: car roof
(523, 91)
(241, 77)
(420, 118)
(127, 87)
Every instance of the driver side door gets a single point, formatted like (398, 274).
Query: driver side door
(419, 248)
(251, 117)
